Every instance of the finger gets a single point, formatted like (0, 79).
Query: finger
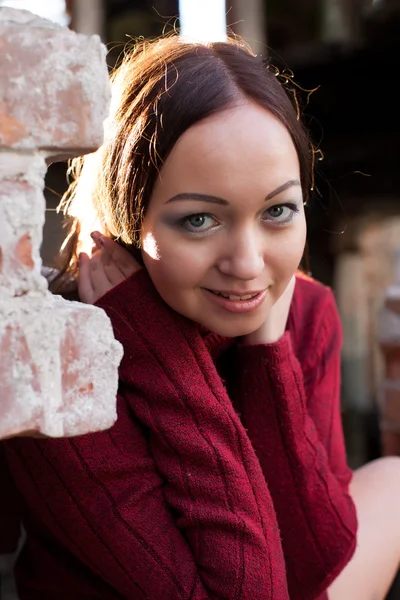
(97, 239)
(292, 285)
(85, 289)
(112, 271)
(120, 256)
(98, 276)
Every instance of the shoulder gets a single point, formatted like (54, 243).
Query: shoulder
(313, 319)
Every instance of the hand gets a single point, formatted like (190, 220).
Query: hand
(108, 266)
(274, 326)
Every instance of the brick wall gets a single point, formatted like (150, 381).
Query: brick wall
(58, 359)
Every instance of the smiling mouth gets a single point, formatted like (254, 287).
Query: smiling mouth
(241, 302)
(234, 297)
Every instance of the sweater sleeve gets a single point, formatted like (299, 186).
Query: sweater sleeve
(213, 481)
(171, 502)
(10, 510)
(304, 465)
(99, 498)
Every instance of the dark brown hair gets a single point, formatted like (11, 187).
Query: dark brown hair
(160, 89)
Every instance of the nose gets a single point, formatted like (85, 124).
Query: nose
(242, 256)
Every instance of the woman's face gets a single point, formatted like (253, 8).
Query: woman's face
(225, 228)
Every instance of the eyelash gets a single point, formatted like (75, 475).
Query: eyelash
(290, 205)
(196, 230)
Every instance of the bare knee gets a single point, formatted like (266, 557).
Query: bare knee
(386, 464)
(379, 475)
(376, 491)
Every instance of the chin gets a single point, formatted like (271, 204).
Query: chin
(232, 330)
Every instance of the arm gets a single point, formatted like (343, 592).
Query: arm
(304, 467)
(10, 510)
(102, 497)
(213, 479)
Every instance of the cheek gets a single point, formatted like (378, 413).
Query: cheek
(293, 249)
(176, 267)
(287, 255)
(293, 246)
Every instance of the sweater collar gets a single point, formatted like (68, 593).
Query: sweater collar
(215, 344)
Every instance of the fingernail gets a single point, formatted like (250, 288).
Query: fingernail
(97, 238)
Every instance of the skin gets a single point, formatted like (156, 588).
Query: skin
(375, 490)
(243, 248)
(252, 242)
(247, 232)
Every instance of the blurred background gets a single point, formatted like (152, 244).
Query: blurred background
(350, 51)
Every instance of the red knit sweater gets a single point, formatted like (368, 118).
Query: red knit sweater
(194, 494)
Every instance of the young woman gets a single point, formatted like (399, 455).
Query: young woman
(225, 475)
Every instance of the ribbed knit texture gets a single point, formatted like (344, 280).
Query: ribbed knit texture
(184, 498)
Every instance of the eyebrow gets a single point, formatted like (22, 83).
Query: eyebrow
(200, 197)
(221, 201)
(282, 188)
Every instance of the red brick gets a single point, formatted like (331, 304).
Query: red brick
(58, 368)
(22, 208)
(54, 86)
(58, 360)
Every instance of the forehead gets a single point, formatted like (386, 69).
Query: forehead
(239, 146)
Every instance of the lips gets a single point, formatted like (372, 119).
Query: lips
(240, 302)
(236, 296)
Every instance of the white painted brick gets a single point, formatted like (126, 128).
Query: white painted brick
(22, 207)
(54, 86)
(58, 368)
(58, 360)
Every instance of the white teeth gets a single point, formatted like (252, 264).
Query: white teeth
(231, 297)
(246, 297)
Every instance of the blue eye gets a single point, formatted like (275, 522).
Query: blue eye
(198, 223)
(281, 213)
